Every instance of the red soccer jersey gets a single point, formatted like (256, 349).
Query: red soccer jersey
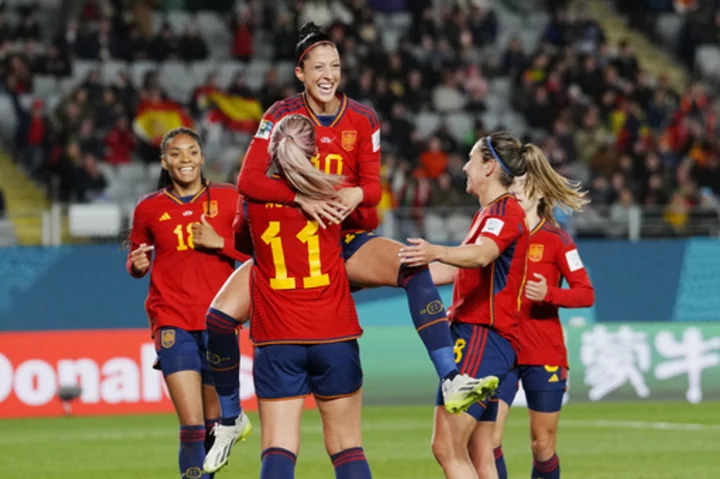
(184, 280)
(299, 288)
(552, 254)
(490, 296)
(350, 147)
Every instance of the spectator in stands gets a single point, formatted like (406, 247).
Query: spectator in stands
(3, 207)
(55, 63)
(164, 45)
(242, 28)
(620, 213)
(284, 38)
(119, 143)
(626, 62)
(513, 59)
(28, 28)
(91, 181)
(238, 87)
(192, 47)
(271, 90)
(434, 160)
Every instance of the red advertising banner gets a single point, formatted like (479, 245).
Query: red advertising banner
(112, 367)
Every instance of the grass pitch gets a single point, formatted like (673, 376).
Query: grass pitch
(596, 441)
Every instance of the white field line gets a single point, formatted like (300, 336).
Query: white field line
(40, 436)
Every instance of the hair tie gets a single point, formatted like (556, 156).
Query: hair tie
(497, 157)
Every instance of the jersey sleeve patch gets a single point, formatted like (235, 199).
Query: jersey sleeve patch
(493, 226)
(264, 130)
(376, 141)
(573, 260)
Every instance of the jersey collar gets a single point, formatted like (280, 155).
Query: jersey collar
(341, 112)
(177, 200)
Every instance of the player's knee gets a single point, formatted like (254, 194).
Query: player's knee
(543, 445)
(407, 273)
(497, 437)
(444, 451)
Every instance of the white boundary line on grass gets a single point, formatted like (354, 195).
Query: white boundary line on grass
(48, 435)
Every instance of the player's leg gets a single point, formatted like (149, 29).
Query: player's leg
(179, 360)
(281, 384)
(230, 307)
(372, 261)
(451, 436)
(544, 387)
(483, 457)
(336, 381)
(223, 357)
(280, 424)
(211, 411)
(506, 395)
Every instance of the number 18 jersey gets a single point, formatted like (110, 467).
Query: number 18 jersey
(299, 288)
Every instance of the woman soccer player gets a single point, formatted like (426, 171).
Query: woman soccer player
(489, 274)
(348, 141)
(304, 324)
(188, 225)
(542, 359)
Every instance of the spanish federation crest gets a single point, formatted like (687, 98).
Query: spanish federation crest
(212, 211)
(167, 338)
(535, 253)
(348, 140)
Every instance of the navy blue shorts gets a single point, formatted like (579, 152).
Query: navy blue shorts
(327, 371)
(352, 242)
(480, 351)
(544, 387)
(180, 350)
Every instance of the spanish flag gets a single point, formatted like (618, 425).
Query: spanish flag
(237, 113)
(154, 119)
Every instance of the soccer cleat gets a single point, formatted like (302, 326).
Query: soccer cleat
(225, 438)
(463, 391)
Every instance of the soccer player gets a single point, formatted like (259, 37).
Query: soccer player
(489, 274)
(542, 358)
(348, 141)
(304, 324)
(187, 224)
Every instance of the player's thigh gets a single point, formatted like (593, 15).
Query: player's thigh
(505, 395)
(375, 263)
(233, 298)
(280, 372)
(280, 423)
(451, 435)
(185, 388)
(341, 419)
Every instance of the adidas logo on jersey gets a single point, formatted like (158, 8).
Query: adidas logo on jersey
(165, 216)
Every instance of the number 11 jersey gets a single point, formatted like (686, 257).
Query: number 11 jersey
(299, 288)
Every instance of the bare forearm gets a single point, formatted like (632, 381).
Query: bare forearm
(465, 256)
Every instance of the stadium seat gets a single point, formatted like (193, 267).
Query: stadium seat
(427, 123)
(707, 61)
(255, 74)
(457, 227)
(400, 21)
(435, 228)
(210, 25)
(285, 71)
(44, 85)
(459, 125)
(178, 20)
(109, 172)
(81, 69)
(8, 119)
(7, 234)
(175, 76)
(668, 27)
(131, 172)
(111, 69)
(227, 72)
(201, 70)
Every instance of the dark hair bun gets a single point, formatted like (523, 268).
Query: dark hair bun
(309, 29)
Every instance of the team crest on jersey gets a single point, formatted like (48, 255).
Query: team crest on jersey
(212, 211)
(167, 338)
(535, 253)
(348, 140)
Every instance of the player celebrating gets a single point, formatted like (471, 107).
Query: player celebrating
(348, 141)
(188, 225)
(304, 323)
(489, 273)
(542, 359)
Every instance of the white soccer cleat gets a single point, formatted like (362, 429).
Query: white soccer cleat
(225, 438)
(463, 391)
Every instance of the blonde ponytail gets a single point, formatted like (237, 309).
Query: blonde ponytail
(555, 190)
(292, 147)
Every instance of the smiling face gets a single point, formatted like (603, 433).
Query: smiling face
(183, 159)
(320, 72)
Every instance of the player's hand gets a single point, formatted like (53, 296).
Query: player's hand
(419, 252)
(139, 258)
(322, 210)
(204, 235)
(351, 198)
(536, 290)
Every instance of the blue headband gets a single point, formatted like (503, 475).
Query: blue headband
(497, 157)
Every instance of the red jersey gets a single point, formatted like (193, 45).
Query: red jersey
(299, 288)
(552, 254)
(349, 146)
(490, 296)
(184, 280)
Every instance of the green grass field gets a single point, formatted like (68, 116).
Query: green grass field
(597, 441)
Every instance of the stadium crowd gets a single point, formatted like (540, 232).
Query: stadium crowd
(598, 115)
